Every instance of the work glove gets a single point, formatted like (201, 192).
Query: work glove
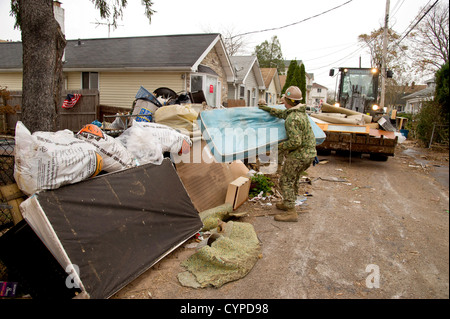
(264, 108)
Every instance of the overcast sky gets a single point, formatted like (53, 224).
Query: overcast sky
(323, 42)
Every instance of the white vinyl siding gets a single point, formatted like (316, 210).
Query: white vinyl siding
(13, 81)
(119, 88)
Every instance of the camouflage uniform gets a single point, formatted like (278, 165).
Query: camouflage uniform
(298, 151)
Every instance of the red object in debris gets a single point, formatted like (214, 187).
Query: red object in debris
(71, 100)
(211, 88)
(185, 148)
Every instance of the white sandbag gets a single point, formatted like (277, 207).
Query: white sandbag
(115, 155)
(49, 160)
(135, 140)
(148, 141)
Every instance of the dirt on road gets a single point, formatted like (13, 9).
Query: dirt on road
(370, 230)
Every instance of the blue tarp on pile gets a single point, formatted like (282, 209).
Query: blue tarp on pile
(244, 132)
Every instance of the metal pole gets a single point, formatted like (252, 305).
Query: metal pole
(432, 135)
(383, 59)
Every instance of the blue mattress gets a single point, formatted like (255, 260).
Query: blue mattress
(244, 132)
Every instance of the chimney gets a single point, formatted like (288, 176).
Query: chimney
(58, 12)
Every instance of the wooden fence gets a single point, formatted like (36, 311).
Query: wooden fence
(84, 112)
(235, 103)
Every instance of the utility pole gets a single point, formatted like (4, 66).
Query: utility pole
(383, 60)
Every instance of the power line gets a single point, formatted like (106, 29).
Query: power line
(341, 59)
(291, 24)
(418, 21)
(396, 8)
(332, 53)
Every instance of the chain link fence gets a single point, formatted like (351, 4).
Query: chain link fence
(6, 177)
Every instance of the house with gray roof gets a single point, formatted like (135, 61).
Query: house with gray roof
(117, 67)
(249, 85)
(415, 100)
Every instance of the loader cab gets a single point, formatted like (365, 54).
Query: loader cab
(358, 89)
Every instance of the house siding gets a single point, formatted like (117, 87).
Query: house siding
(119, 88)
(13, 81)
(251, 84)
(318, 95)
(72, 80)
(272, 91)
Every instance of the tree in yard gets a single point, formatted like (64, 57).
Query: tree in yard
(233, 43)
(296, 76)
(430, 41)
(43, 47)
(394, 60)
(374, 44)
(290, 75)
(442, 95)
(432, 120)
(302, 81)
(269, 54)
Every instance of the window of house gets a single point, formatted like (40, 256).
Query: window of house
(319, 90)
(196, 83)
(253, 97)
(89, 80)
(242, 92)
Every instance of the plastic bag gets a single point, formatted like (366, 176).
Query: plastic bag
(49, 160)
(115, 155)
(148, 141)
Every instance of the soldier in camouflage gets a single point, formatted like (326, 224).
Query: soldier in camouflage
(298, 151)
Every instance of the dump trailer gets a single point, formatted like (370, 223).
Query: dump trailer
(357, 98)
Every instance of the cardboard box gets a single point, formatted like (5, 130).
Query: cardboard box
(238, 191)
(238, 169)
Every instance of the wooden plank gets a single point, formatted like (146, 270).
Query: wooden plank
(379, 133)
(10, 192)
(15, 210)
(344, 128)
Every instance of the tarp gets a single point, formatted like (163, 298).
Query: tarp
(243, 132)
(115, 226)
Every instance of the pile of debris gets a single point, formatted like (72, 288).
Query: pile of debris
(93, 202)
(352, 131)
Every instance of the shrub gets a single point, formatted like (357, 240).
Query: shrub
(260, 183)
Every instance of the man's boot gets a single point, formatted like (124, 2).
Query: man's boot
(282, 206)
(290, 216)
